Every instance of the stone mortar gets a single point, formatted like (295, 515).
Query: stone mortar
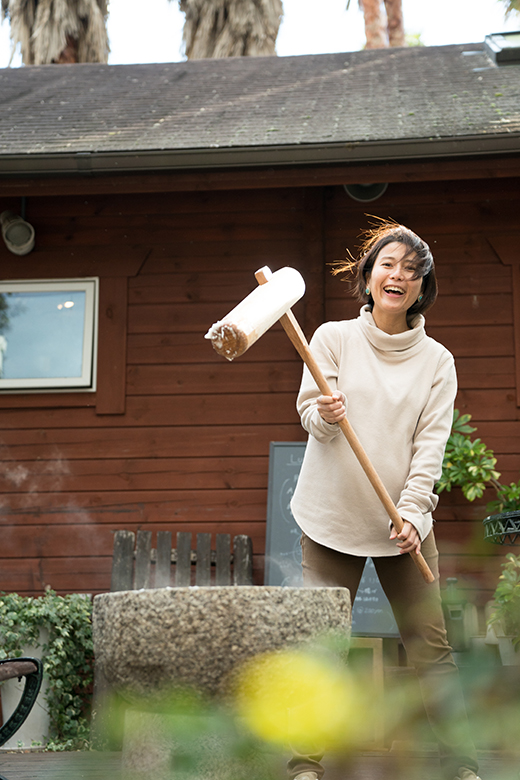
(147, 641)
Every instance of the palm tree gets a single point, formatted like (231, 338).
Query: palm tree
(512, 5)
(58, 31)
(381, 32)
(395, 23)
(230, 28)
(375, 30)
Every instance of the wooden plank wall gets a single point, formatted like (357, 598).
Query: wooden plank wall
(189, 452)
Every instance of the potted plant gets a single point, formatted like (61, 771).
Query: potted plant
(505, 611)
(471, 465)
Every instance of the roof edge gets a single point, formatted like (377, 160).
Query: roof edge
(146, 161)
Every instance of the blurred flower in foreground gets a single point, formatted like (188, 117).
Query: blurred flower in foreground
(302, 699)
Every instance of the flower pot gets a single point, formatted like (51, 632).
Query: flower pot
(503, 528)
(509, 655)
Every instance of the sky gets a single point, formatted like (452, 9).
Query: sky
(309, 27)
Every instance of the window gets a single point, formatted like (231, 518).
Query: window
(48, 334)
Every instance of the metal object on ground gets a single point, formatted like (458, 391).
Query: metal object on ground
(32, 670)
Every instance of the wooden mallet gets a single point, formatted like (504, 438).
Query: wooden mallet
(244, 325)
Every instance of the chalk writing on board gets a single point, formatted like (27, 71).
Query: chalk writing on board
(371, 614)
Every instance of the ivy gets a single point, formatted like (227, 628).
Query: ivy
(67, 656)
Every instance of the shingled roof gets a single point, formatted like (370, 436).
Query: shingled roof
(367, 105)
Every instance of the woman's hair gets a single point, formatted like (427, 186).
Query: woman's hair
(418, 255)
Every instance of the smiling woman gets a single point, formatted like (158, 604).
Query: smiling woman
(395, 276)
(394, 287)
(399, 386)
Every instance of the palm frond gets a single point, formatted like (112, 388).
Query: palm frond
(512, 5)
(44, 28)
(21, 14)
(230, 28)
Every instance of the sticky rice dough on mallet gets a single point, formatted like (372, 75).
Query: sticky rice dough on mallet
(239, 329)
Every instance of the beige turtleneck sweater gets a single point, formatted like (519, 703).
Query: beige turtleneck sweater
(400, 392)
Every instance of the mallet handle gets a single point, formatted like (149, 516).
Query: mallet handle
(297, 337)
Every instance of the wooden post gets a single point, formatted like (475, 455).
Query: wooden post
(122, 561)
(111, 364)
(242, 560)
(164, 559)
(505, 246)
(223, 563)
(183, 565)
(143, 549)
(203, 567)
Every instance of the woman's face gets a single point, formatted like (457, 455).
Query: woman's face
(391, 282)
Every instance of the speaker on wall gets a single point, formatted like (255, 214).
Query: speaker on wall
(365, 192)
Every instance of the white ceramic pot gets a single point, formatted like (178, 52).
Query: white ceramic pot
(508, 654)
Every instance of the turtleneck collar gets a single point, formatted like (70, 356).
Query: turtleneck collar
(398, 342)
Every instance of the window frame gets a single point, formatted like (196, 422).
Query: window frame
(87, 382)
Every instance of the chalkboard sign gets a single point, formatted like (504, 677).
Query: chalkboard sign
(371, 614)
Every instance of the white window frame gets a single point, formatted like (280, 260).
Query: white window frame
(87, 381)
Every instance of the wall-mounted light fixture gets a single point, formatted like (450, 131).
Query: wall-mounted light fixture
(365, 192)
(17, 233)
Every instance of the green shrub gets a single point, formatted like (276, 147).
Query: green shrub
(467, 464)
(507, 598)
(508, 499)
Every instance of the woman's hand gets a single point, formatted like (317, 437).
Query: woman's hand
(409, 539)
(332, 407)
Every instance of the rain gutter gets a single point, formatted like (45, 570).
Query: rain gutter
(148, 160)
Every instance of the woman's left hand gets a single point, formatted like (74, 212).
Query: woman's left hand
(409, 539)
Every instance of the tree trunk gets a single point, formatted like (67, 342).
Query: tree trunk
(230, 28)
(375, 31)
(69, 55)
(394, 13)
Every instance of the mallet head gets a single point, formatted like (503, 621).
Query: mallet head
(244, 324)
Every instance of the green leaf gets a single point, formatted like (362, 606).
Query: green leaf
(467, 464)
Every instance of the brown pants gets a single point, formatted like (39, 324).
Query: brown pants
(418, 612)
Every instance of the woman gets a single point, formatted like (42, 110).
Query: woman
(397, 386)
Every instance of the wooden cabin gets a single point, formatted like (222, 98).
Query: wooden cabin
(171, 184)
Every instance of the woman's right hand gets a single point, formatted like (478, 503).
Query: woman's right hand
(332, 407)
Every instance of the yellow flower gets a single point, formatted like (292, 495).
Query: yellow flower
(298, 698)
